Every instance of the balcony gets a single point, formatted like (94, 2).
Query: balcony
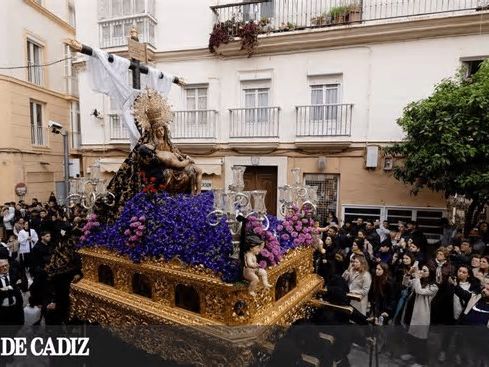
(255, 122)
(117, 130)
(114, 32)
(194, 124)
(285, 15)
(324, 120)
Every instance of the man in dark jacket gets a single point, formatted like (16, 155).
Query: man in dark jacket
(41, 256)
(11, 303)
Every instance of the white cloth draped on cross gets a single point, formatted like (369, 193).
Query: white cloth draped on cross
(111, 79)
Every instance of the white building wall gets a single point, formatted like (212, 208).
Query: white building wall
(378, 79)
(20, 21)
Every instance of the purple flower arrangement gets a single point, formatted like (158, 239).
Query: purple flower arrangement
(162, 226)
(297, 229)
(271, 254)
(174, 226)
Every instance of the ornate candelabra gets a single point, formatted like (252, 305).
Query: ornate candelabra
(236, 204)
(457, 205)
(86, 191)
(297, 195)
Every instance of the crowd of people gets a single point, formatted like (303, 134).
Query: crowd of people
(38, 261)
(401, 278)
(397, 275)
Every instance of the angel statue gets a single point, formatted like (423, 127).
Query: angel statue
(154, 162)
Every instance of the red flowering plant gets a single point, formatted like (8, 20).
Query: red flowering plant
(135, 232)
(151, 184)
(271, 254)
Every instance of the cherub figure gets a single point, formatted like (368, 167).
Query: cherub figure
(252, 271)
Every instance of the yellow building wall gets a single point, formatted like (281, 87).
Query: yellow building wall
(39, 167)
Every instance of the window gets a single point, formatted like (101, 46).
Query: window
(105, 275)
(258, 11)
(116, 8)
(139, 6)
(71, 15)
(34, 58)
(285, 283)
(428, 219)
(117, 130)
(256, 103)
(352, 213)
(141, 285)
(325, 97)
(196, 100)
(127, 7)
(36, 123)
(186, 297)
(327, 194)
(75, 125)
(473, 66)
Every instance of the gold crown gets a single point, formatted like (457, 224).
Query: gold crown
(151, 109)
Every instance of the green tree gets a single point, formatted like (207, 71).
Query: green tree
(446, 147)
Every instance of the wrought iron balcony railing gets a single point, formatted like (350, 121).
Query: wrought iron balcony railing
(324, 120)
(255, 122)
(286, 15)
(194, 124)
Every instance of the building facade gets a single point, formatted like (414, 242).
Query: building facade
(322, 91)
(32, 95)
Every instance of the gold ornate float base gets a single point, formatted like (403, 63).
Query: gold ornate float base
(188, 314)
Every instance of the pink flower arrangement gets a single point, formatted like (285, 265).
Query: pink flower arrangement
(91, 226)
(297, 229)
(271, 254)
(135, 232)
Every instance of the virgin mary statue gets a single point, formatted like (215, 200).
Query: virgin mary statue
(154, 164)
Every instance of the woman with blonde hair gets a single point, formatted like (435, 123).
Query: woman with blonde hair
(359, 281)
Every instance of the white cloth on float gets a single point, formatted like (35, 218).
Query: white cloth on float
(111, 79)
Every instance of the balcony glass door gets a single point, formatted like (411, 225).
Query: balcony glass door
(256, 103)
(325, 97)
(196, 102)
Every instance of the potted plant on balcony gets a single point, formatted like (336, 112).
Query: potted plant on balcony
(354, 13)
(320, 20)
(339, 14)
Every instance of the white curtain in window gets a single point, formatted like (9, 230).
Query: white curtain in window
(127, 7)
(103, 9)
(262, 115)
(116, 8)
(140, 8)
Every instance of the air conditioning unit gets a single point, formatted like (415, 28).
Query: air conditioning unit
(372, 156)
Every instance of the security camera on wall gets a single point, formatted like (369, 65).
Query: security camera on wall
(55, 127)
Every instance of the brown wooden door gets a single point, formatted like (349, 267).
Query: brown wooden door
(263, 178)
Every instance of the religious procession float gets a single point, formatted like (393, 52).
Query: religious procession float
(198, 278)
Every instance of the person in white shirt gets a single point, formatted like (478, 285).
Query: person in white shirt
(27, 239)
(8, 214)
(383, 230)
